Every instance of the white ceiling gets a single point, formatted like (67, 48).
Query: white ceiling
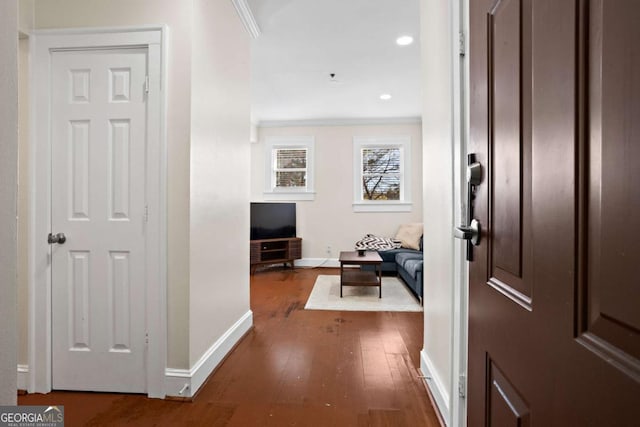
(303, 41)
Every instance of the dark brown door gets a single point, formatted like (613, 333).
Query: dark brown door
(554, 292)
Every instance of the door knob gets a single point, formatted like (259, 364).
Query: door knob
(470, 232)
(59, 238)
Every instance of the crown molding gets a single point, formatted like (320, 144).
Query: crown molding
(246, 16)
(340, 122)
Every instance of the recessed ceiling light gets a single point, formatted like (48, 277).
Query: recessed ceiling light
(385, 97)
(404, 40)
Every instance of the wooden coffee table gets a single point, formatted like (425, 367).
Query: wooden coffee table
(356, 277)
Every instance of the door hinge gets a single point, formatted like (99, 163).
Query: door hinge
(146, 213)
(462, 386)
(461, 44)
(146, 84)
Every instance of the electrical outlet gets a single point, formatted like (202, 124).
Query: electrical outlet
(328, 250)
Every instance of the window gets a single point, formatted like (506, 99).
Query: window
(289, 168)
(381, 174)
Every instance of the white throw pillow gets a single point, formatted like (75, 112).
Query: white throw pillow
(409, 235)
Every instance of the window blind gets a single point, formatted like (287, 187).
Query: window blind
(290, 167)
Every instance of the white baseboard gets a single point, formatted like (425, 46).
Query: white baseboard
(177, 382)
(436, 387)
(320, 263)
(317, 262)
(23, 377)
(186, 382)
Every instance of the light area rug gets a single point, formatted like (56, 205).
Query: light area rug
(395, 296)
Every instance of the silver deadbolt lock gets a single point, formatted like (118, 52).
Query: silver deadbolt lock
(474, 173)
(471, 232)
(59, 238)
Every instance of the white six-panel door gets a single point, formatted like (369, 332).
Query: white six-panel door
(98, 130)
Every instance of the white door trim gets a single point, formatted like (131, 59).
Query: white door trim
(43, 43)
(458, 402)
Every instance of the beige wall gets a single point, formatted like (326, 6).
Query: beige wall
(177, 15)
(208, 142)
(25, 24)
(8, 181)
(329, 220)
(23, 199)
(25, 15)
(219, 206)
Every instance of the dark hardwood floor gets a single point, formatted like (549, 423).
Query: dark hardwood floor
(296, 367)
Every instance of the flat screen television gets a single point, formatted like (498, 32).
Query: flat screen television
(273, 220)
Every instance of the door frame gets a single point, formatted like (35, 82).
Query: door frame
(43, 44)
(460, 304)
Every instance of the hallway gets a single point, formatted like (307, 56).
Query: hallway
(295, 367)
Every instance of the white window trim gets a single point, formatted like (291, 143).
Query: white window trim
(294, 193)
(402, 205)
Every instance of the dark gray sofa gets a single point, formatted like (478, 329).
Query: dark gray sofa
(406, 263)
(409, 266)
